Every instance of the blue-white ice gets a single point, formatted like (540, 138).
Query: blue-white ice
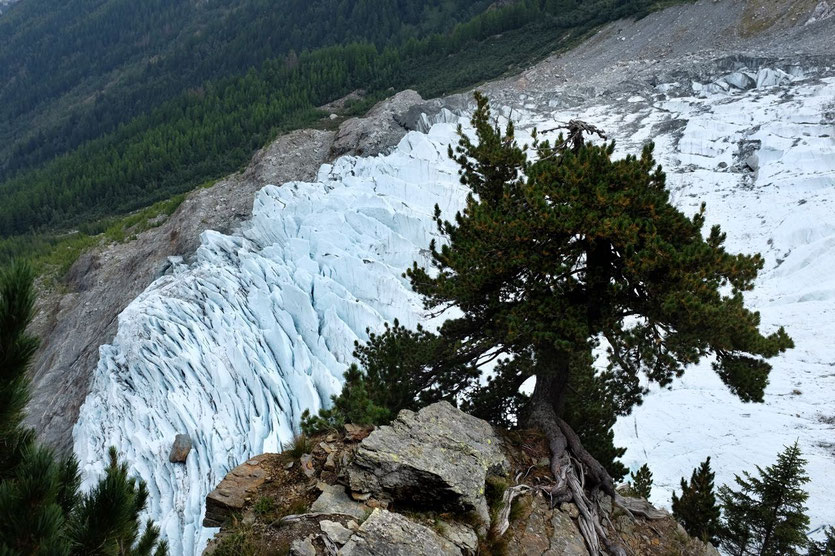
(233, 347)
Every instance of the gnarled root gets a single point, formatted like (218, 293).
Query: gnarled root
(502, 521)
(571, 466)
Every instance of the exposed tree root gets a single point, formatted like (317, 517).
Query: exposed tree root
(502, 522)
(572, 466)
(636, 506)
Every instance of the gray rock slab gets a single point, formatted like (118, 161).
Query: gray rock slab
(334, 500)
(438, 457)
(386, 533)
(335, 531)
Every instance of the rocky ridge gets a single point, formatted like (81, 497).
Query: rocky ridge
(264, 505)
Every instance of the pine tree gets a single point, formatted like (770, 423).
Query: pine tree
(642, 482)
(106, 521)
(394, 373)
(17, 308)
(41, 509)
(352, 405)
(696, 510)
(551, 254)
(766, 516)
(826, 547)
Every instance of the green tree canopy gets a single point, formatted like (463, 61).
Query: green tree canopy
(42, 510)
(696, 509)
(767, 516)
(554, 254)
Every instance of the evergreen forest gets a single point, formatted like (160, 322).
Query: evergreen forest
(99, 124)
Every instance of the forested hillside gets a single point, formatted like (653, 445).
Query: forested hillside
(74, 70)
(180, 94)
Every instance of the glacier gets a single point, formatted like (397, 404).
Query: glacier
(232, 346)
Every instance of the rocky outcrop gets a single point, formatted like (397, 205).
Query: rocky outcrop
(235, 491)
(412, 488)
(438, 457)
(378, 130)
(422, 116)
(389, 534)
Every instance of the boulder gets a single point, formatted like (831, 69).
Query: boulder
(232, 492)
(334, 500)
(386, 533)
(438, 457)
(335, 531)
(180, 449)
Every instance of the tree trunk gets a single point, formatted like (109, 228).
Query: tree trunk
(577, 475)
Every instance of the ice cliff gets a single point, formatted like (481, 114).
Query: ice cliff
(233, 346)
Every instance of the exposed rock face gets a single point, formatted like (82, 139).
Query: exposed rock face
(376, 131)
(234, 491)
(386, 533)
(180, 449)
(546, 532)
(421, 117)
(438, 457)
(335, 524)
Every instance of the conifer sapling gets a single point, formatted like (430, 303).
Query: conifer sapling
(642, 482)
(696, 509)
(767, 516)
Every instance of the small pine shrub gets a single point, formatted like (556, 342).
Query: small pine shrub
(696, 509)
(353, 405)
(642, 482)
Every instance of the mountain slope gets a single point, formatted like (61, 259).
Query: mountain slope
(698, 121)
(72, 71)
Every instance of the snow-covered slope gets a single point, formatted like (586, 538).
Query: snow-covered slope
(232, 347)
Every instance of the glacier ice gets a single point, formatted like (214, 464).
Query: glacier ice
(233, 346)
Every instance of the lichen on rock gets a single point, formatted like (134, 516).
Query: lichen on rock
(437, 457)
